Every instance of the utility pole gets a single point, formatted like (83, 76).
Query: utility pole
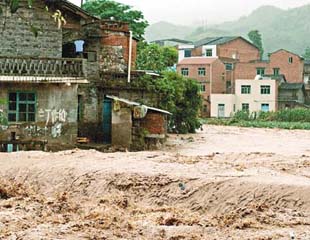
(81, 3)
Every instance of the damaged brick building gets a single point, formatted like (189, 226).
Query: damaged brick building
(53, 87)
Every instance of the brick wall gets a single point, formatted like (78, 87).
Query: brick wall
(18, 40)
(248, 70)
(243, 50)
(219, 77)
(115, 51)
(197, 52)
(293, 71)
(154, 123)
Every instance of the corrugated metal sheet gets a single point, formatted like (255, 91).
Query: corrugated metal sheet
(137, 104)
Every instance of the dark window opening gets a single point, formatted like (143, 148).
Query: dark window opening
(80, 108)
(187, 53)
(260, 71)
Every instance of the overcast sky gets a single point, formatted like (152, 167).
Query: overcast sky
(212, 11)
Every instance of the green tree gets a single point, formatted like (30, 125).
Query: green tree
(307, 53)
(256, 39)
(107, 9)
(154, 57)
(181, 96)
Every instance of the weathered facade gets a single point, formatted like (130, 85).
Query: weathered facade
(53, 87)
(292, 95)
(38, 87)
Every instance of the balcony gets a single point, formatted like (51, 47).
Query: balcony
(41, 68)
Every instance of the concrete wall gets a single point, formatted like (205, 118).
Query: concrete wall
(122, 127)
(18, 40)
(233, 102)
(229, 100)
(56, 113)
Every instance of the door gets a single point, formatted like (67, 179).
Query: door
(107, 120)
(221, 111)
(265, 107)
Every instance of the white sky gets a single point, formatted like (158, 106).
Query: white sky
(213, 11)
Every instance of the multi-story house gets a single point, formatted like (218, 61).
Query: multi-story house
(250, 95)
(225, 59)
(212, 61)
(281, 62)
(54, 86)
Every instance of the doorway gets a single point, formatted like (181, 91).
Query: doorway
(107, 120)
(221, 111)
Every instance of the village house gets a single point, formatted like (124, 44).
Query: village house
(54, 86)
(250, 95)
(211, 62)
(216, 63)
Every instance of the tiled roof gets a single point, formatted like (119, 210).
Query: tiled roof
(215, 40)
(291, 86)
(220, 41)
(197, 60)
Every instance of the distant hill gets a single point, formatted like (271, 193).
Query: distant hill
(289, 29)
(162, 30)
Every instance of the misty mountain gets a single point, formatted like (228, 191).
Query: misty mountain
(289, 29)
(163, 30)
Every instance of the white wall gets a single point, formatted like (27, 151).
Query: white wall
(181, 50)
(229, 100)
(214, 50)
(255, 99)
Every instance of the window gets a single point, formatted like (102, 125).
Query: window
(229, 66)
(223, 76)
(245, 107)
(184, 71)
(290, 60)
(202, 87)
(265, 107)
(276, 71)
(187, 53)
(209, 52)
(260, 71)
(228, 86)
(201, 71)
(22, 107)
(265, 89)
(245, 89)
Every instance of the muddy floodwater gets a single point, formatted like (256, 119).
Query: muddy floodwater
(221, 183)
